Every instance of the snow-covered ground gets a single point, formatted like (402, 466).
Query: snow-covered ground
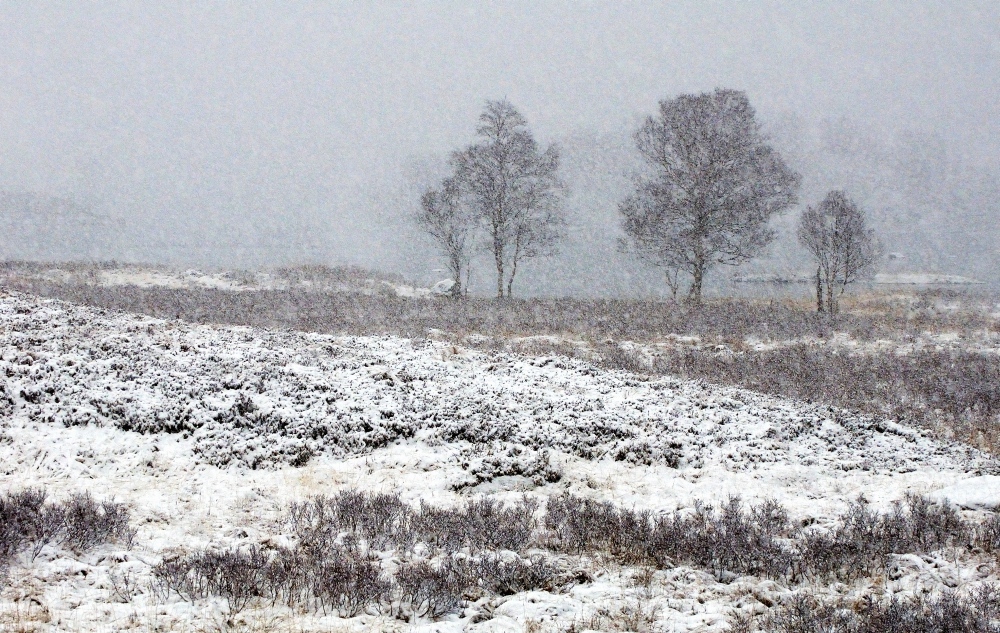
(145, 276)
(208, 432)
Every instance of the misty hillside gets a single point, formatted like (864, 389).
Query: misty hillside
(929, 207)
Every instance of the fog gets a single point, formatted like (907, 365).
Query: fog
(255, 134)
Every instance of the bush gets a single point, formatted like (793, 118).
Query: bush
(730, 541)
(332, 567)
(432, 591)
(988, 533)
(505, 577)
(947, 613)
(467, 551)
(863, 540)
(236, 575)
(957, 389)
(759, 540)
(28, 523)
(20, 521)
(384, 521)
(88, 523)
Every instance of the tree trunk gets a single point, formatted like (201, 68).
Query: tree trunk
(819, 291)
(456, 272)
(698, 274)
(498, 255)
(510, 280)
(831, 300)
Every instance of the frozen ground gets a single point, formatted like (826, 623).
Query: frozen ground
(208, 432)
(144, 276)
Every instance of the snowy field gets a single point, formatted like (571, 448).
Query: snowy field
(209, 432)
(318, 279)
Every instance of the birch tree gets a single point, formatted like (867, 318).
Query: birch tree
(711, 186)
(452, 226)
(514, 190)
(836, 234)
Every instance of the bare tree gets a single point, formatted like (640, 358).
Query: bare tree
(449, 222)
(653, 239)
(712, 186)
(513, 188)
(836, 234)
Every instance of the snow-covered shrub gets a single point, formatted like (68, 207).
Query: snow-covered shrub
(235, 575)
(509, 461)
(863, 540)
(267, 399)
(29, 523)
(89, 523)
(988, 533)
(428, 590)
(948, 612)
(506, 576)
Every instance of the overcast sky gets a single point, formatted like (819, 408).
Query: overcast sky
(250, 121)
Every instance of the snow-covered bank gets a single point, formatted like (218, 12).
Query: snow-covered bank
(208, 432)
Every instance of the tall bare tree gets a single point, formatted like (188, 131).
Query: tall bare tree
(450, 223)
(713, 184)
(513, 188)
(836, 234)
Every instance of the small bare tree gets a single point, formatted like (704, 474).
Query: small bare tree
(449, 222)
(653, 238)
(836, 234)
(513, 188)
(712, 186)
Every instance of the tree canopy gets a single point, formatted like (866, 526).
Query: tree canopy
(712, 184)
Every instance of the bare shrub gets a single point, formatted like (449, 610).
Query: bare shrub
(431, 591)
(28, 522)
(759, 540)
(347, 582)
(89, 523)
(805, 614)
(124, 585)
(863, 540)
(19, 520)
(729, 541)
(988, 533)
(478, 524)
(505, 577)
(732, 540)
(334, 566)
(235, 575)
(178, 576)
(975, 613)
(384, 521)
